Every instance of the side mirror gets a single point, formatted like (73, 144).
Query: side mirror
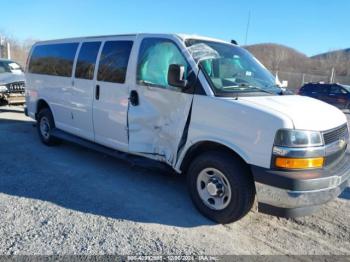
(176, 75)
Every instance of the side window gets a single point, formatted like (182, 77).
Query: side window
(155, 57)
(323, 89)
(312, 88)
(114, 61)
(337, 90)
(53, 59)
(308, 88)
(87, 59)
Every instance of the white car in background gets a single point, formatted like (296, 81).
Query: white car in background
(12, 82)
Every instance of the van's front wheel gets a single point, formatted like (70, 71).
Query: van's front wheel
(221, 186)
(45, 126)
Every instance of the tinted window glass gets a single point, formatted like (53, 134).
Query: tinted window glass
(308, 88)
(87, 59)
(56, 59)
(322, 89)
(337, 90)
(155, 57)
(114, 61)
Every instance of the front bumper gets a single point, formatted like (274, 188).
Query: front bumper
(13, 98)
(299, 193)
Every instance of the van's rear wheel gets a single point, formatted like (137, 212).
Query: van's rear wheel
(221, 186)
(45, 126)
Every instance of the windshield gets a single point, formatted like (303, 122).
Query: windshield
(231, 69)
(10, 67)
(347, 88)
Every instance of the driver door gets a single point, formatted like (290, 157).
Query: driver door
(157, 112)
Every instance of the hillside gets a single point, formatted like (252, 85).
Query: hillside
(283, 58)
(343, 52)
(275, 56)
(298, 68)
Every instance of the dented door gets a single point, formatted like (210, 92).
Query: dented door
(158, 112)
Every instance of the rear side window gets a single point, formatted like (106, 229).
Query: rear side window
(114, 61)
(87, 59)
(55, 59)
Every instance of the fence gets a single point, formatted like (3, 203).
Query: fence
(296, 80)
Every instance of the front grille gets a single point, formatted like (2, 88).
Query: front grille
(335, 134)
(16, 87)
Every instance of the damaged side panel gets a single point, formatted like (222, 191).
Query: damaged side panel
(157, 121)
(156, 126)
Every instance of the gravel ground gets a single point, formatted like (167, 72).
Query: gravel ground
(70, 200)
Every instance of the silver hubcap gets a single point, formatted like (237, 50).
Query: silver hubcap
(45, 127)
(214, 188)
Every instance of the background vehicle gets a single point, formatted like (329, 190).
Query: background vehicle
(12, 82)
(334, 94)
(204, 107)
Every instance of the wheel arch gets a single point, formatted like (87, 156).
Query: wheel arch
(41, 104)
(204, 146)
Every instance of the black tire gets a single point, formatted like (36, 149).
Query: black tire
(46, 137)
(238, 176)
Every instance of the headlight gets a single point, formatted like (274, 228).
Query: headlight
(3, 89)
(298, 138)
(298, 149)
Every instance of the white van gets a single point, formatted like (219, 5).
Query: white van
(205, 107)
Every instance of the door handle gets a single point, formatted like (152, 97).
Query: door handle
(97, 92)
(134, 98)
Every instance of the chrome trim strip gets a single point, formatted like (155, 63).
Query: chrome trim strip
(299, 152)
(307, 152)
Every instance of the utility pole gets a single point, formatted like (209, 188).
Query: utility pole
(8, 51)
(332, 75)
(2, 42)
(247, 30)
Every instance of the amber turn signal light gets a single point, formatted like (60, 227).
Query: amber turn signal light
(299, 163)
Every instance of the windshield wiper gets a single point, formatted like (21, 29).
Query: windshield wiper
(246, 86)
(258, 88)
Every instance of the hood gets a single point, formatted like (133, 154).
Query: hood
(6, 78)
(305, 112)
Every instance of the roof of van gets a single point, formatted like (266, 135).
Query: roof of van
(181, 36)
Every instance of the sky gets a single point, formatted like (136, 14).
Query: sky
(310, 26)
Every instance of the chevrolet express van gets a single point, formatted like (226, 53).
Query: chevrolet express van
(205, 107)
